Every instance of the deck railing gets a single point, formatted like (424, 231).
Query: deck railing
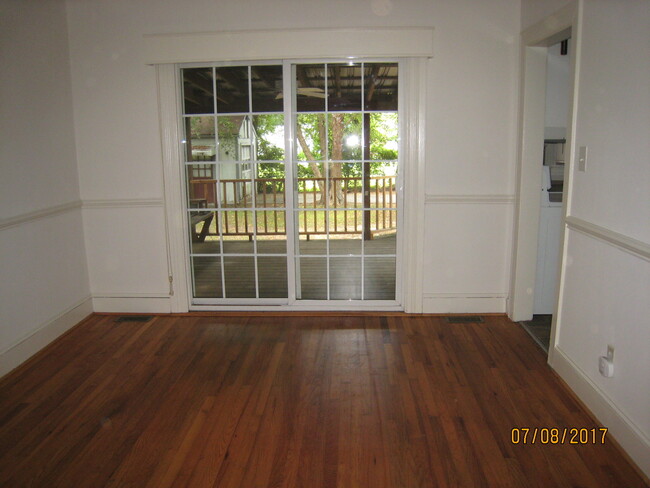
(317, 208)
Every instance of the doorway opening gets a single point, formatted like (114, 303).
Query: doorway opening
(535, 179)
(549, 230)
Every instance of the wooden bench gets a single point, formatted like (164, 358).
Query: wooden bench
(197, 218)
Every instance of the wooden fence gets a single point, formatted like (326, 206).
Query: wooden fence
(348, 213)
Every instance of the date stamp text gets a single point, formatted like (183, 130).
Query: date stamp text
(562, 435)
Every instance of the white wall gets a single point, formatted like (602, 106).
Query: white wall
(470, 128)
(557, 93)
(605, 289)
(470, 178)
(532, 11)
(44, 287)
(614, 117)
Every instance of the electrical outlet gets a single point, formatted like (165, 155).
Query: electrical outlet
(606, 367)
(606, 363)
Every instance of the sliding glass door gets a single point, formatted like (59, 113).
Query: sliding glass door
(291, 183)
(345, 205)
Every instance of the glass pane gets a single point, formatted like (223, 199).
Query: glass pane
(380, 91)
(235, 185)
(269, 185)
(272, 244)
(345, 184)
(382, 222)
(198, 91)
(311, 222)
(312, 245)
(311, 136)
(201, 186)
(345, 140)
(206, 272)
(379, 279)
(313, 278)
(345, 244)
(384, 136)
(351, 184)
(270, 223)
(345, 232)
(272, 274)
(211, 245)
(383, 168)
(343, 87)
(237, 141)
(240, 276)
(268, 137)
(383, 190)
(237, 230)
(310, 93)
(202, 225)
(345, 278)
(310, 185)
(382, 242)
(232, 89)
(267, 88)
(200, 143)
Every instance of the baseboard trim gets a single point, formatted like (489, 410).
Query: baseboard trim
(15, 355)
(622, 429)
(129, 295)
(132, 304)
(443, 303)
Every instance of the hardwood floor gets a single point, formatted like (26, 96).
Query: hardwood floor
(294, 401)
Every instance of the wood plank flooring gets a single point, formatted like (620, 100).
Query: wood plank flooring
(294, 401)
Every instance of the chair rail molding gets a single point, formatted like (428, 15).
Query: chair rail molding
(628, 244)
(123, 203)
(39, 214)
(474, 199)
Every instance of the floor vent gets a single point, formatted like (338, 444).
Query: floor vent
(465, 319)
(134, 318)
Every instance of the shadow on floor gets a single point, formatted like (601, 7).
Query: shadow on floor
(539, 329)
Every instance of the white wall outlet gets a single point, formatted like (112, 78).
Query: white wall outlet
(582, 159)
(606, 363)
(606, 367)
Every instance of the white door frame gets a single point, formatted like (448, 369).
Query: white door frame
(412, 152)
(532, 90)
(169, 113)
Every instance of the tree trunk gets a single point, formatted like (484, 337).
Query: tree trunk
(336, 169)
(322, 132)
(312, 164)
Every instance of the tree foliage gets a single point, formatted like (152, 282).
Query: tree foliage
(329, 146)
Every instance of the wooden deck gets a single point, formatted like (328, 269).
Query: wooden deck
(344, 271)
(289, 401)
